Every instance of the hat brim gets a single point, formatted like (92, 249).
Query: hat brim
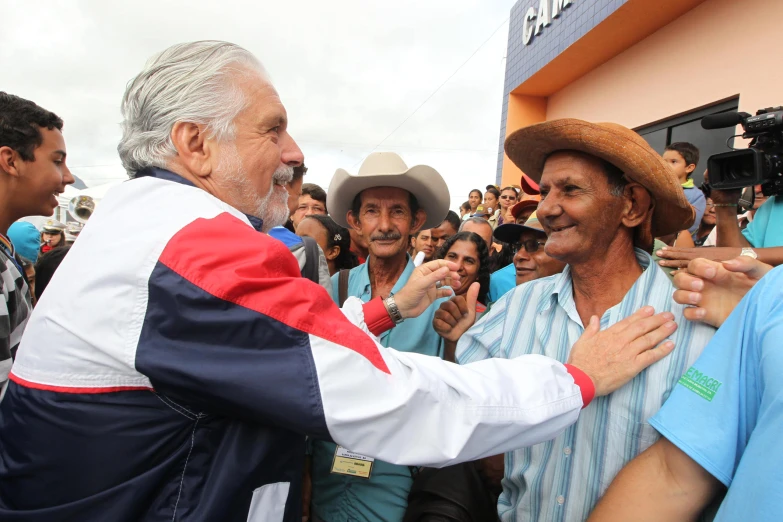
(529, 147)
(522, 205)
(511, 232)
(424, 182)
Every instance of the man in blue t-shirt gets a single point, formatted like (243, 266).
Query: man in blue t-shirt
(722, 423)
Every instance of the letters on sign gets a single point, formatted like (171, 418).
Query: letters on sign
(537, 19)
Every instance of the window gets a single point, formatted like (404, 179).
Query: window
(688, 128)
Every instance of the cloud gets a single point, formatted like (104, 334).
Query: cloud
(349, 72)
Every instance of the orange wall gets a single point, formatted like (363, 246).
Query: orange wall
(522, 111)
(719, 49)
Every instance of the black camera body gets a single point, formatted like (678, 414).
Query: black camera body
(761, 163)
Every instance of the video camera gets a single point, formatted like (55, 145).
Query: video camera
(761, 163)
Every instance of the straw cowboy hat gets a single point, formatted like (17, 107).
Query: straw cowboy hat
(386, 169)
(529, 147)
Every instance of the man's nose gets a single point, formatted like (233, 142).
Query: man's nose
(290, 153)
(68, 178)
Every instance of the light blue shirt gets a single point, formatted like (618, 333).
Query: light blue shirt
(384, 496)
(561, 480)
(501, 281)
(727, 412)
(766, 229)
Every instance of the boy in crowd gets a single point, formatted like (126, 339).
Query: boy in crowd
(32, 173)
(683, 158)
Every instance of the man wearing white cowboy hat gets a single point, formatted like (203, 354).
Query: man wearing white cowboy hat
(386, 202)
(605, 194)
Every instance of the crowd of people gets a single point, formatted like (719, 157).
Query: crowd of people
(595, 342)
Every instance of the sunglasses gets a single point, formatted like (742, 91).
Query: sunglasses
(507, 197)
(531, 246)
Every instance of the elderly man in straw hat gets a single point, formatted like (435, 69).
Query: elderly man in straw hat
(181, 383)
(386, 202)
(605, 194)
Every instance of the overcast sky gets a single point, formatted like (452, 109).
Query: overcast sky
(348, 71)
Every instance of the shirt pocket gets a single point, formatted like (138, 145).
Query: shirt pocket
(625, 439)
(268, 503)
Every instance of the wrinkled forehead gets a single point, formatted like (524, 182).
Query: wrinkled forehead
(385, 197)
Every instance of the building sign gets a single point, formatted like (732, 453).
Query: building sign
(537, 19)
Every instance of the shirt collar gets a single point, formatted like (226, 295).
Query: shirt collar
(157, 172)
(364, 275)
(562, 291)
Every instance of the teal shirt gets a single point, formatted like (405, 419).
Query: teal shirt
(384, 496)
(766, 229)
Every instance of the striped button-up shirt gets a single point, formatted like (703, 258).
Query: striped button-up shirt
(561, 480)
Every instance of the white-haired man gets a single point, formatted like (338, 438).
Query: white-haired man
(173, 372)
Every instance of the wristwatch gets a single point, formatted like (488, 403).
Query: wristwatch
(749, 252)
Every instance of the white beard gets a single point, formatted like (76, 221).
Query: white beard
(272, 207)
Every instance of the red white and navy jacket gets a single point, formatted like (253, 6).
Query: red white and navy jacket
(177, 360)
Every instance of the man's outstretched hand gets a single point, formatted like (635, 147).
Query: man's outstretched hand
(421, 291)
(713, 289)
(614, 356)
(673, 257)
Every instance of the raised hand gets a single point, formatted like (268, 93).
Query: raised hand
(457, 315)
(614, 356)
(714, 288)
(426, 284)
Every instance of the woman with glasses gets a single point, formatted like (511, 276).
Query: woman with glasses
(508, 198)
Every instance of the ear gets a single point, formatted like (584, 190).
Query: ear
(194, 150)
(353, 221)
(638, 205)
(332, 253)
(418, 221)
(9, 161)
(690, 168)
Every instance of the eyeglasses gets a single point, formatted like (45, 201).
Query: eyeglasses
(531, 246)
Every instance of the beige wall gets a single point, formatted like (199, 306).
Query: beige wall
(718, 50)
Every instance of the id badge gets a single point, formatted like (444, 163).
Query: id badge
(346, 462)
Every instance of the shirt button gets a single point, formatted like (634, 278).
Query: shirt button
(560, 499)
(567, 450)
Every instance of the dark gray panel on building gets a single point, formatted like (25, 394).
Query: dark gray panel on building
(523, 61)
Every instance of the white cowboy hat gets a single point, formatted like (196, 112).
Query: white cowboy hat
(386, 169)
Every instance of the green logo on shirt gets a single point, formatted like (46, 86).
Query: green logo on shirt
(702, 385)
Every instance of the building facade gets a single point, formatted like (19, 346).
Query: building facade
(656, 66)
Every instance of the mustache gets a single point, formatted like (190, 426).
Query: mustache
(284, 174)
(391, 236)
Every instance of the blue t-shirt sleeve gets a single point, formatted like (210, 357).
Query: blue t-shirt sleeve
(501, 281)
(756, 231)
(336, 288)
(699, 202)
(713, 409)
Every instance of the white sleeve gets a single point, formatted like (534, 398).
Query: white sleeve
(426, 411)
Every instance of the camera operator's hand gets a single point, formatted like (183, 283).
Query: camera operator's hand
(616, 355)
(714, 289)
(674, 257)
(457, 315)
(725, 197)
(421, 291)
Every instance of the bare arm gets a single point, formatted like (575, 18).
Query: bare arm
(729, 233)
(663, 484)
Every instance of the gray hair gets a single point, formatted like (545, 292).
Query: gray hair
(188, 82)
(475, 219)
